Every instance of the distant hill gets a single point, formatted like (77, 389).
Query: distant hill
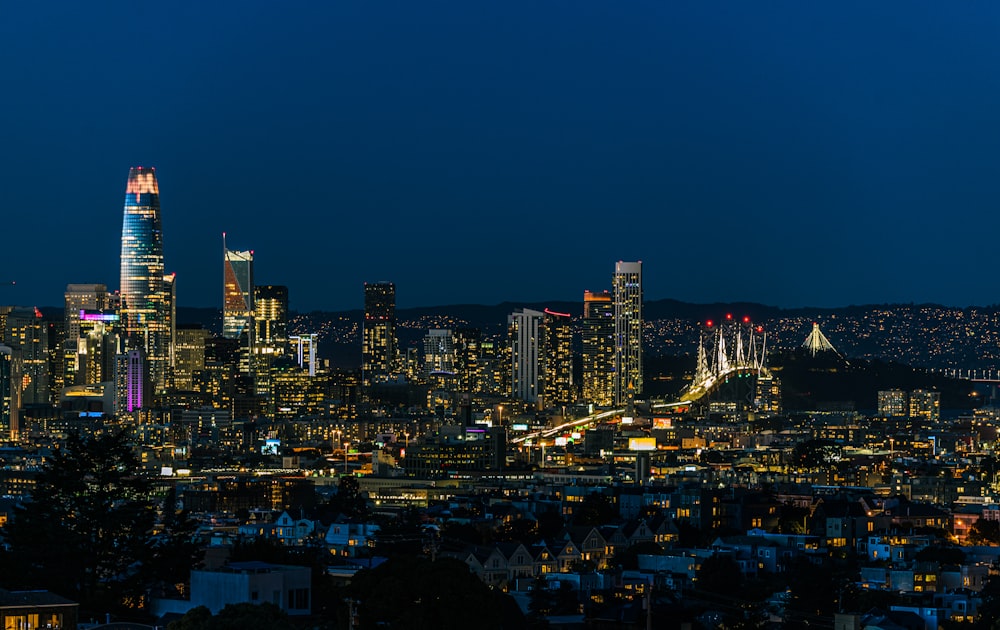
(926, 335)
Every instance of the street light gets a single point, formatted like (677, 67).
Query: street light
(346, 444)
(500, 415)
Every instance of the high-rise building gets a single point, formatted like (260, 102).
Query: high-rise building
(237, 293)
(378, 344)
(83, 297)
(97, 346)
(557, 359)
(270, 333)
(925, 404)
(627, 284)
(271, 319)
(189, 355)
(10, 393)
(131, 382)
(469, 360)
(93, 298)
(767, 394)
(525, 326)
(439, 351)
(893, 403)
(27, 333)
(598, 348)
(144, 298)
(305, 352)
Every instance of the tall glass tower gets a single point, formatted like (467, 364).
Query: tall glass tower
(237, 293)
(144, 296)
(378, 337)
(627, 284)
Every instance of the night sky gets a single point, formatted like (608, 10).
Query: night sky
(791, 153)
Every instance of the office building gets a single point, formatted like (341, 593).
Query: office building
(27, 333)
(98, 343)
(767, 394)
(10, 393)
(304, 352)
(557, 359)
(893, 403)
(131, 382)
(271, 319)
(270, 333)
(93, 298)
(378, 344)
(439, 352)
(627, 286)
(925, 405)
(469, 361)
(83, 297)
(189, 355)
(144, 298)
(525, 329)
(598, 332)
(237, 293)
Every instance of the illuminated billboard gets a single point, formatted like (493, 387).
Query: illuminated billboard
(663, 423)
(642, 444)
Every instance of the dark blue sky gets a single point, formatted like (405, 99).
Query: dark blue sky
(792, 153)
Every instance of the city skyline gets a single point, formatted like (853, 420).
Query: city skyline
(848, 152)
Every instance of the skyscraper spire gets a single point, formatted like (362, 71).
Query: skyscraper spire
(145, 300)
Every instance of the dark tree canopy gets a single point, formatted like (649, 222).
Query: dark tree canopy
(413, 593)
(265, 616)
(629, 558)
(595, 509)
(87, 531)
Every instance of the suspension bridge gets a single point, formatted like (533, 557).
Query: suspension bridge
(725, 349)
(729, 348)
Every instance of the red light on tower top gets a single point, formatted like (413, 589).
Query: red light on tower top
(708, 323)
(746, 319)
(729, 315)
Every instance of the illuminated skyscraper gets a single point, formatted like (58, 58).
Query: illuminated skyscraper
(27, 334)
(10, 392)
(525, 327)
(893, 403)
(925, 404)
(439, 352)
(144, 297)
(237, 303)
(270, 333)
(271, 319)
(598, 348)
(627, 283)
(378, 343)
(237, 293)
(79, 298)
(557, 359)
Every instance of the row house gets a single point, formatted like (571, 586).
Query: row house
(760, 552)
(350, 538)
(502, 564)
(285, 529)
(600, 544)
(926, 577)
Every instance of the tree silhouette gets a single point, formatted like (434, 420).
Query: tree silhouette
(414, 593)
(264, 616)
(87, 531)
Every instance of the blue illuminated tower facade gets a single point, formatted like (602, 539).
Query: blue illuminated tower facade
(145, 296)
